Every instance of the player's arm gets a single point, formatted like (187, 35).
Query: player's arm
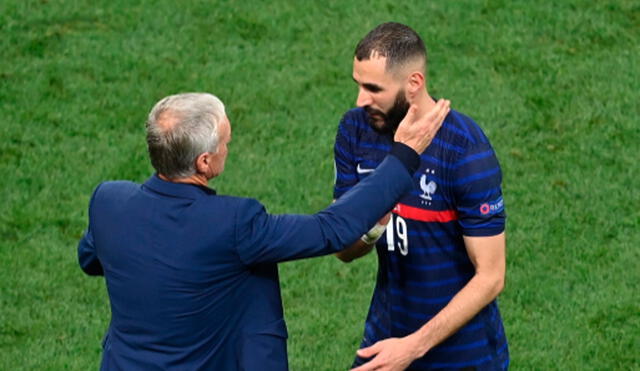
(488, 257)
(355, 251)
(365, 244)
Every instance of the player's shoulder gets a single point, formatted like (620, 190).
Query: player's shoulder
(354, 118)
(462, 131)
(353, 127)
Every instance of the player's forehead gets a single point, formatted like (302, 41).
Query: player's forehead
(371, 71)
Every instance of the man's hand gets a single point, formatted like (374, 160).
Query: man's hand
(418, 132)
(393, 354)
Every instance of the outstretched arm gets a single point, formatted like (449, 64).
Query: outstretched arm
(266, 238)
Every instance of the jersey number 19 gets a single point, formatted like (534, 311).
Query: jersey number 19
(397, 235)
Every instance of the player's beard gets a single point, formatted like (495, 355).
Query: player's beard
(387, 123)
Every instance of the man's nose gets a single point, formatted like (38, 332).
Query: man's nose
(364, 98)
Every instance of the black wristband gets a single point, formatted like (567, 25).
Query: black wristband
(409, 158)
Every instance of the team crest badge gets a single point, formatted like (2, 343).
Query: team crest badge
(428, 188)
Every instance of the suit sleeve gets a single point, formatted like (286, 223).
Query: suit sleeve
(87, 256)
(273, 238)
(478, 192)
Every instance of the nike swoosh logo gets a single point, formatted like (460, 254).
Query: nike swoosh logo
(363, 171)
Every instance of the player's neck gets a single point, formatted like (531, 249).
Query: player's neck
(424, 102)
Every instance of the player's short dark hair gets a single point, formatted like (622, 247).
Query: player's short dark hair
(394, 41)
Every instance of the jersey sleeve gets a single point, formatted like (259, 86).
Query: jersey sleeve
(477, 189)
(344, 159)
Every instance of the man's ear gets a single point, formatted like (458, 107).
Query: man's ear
(415, 83)
(202, 163)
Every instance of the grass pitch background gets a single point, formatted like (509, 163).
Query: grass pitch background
(554, 84)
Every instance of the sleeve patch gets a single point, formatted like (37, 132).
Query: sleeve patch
(492, 207)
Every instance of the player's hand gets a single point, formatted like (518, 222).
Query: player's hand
(418, 132)
(393, 354)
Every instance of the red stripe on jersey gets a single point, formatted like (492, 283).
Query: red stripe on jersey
(416, 213)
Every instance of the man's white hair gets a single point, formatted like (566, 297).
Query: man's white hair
(180, 128)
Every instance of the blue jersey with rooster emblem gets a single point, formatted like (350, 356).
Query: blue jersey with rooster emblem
(422, 260)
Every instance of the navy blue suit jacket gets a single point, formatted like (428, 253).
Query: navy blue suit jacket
(192, 276)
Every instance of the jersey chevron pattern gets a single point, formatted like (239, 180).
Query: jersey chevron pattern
(422, 260)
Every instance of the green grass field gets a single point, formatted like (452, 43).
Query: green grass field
(553, 83)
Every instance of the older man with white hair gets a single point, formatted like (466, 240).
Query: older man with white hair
(192, 275)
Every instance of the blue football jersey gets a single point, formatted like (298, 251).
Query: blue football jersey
(422, 260)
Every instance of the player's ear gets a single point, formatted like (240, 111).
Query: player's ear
(415, 83)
